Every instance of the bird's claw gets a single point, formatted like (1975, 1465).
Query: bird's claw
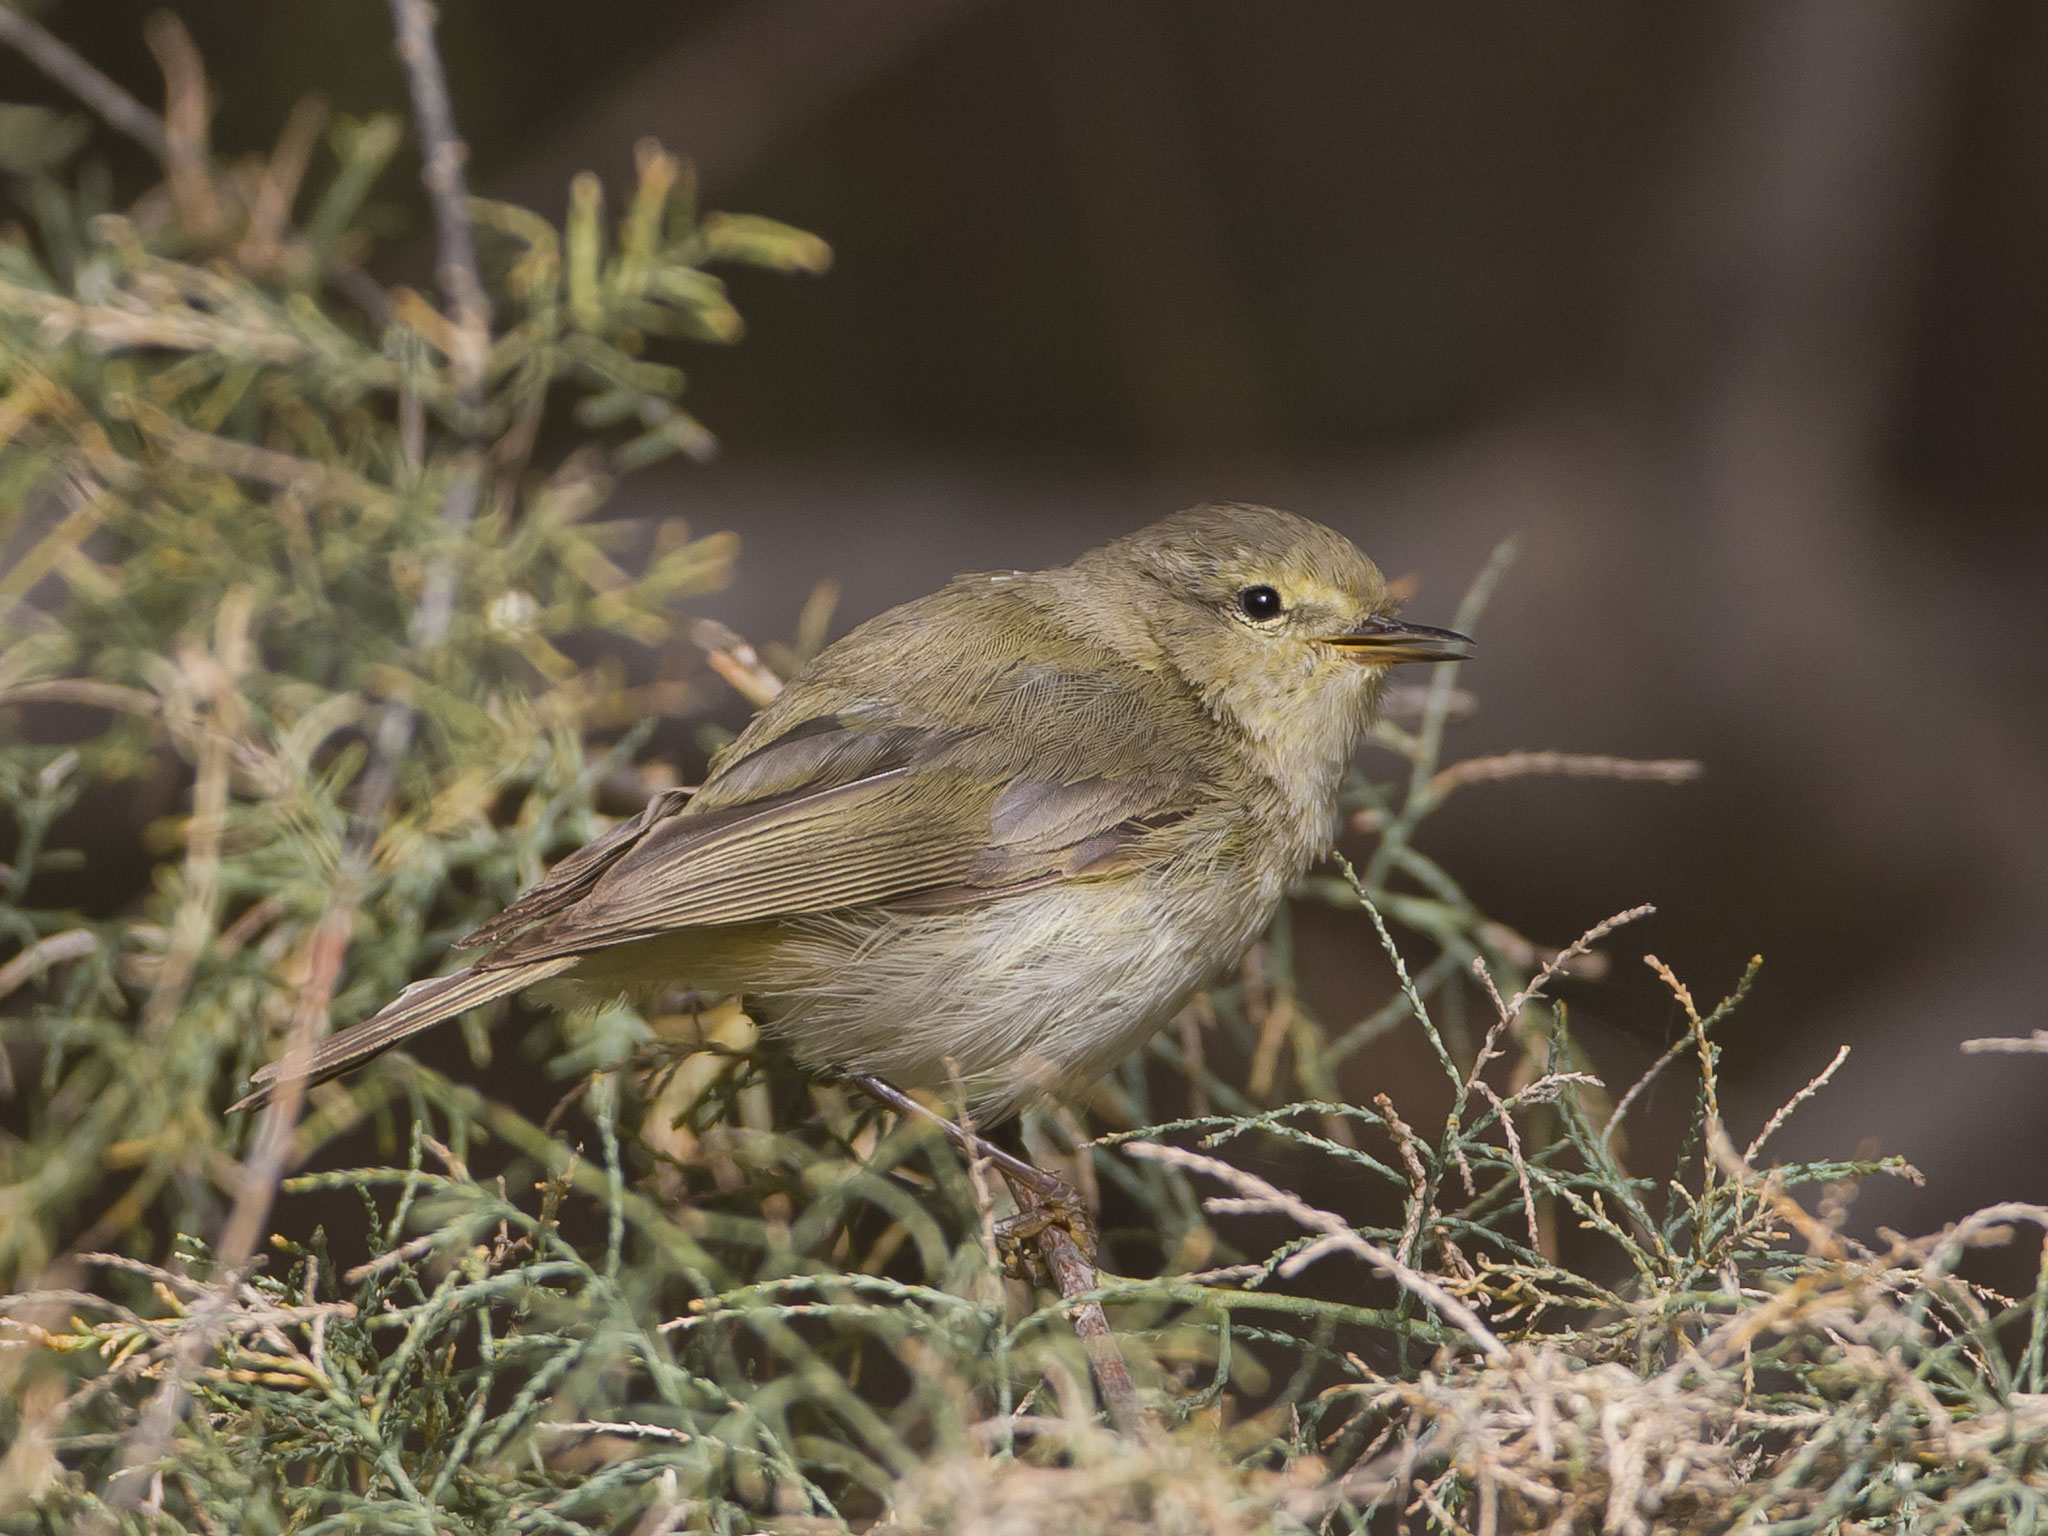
(1057, 1206)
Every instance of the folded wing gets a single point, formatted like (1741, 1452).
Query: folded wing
(811, 812)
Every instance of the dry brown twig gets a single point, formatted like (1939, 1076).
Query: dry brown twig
(1418, 1176)
(1565, 765)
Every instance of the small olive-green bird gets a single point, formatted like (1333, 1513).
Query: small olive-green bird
(1005, 830)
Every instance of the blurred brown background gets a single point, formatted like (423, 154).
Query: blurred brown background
(1734, 312)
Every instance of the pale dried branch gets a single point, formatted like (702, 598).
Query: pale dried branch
(187, 114)
(1565, 765)
(631, 1429)
(1260, 1195)
(2036, 1043)
(442, 157)
(56, 59)
(1785, 1110)
(733, 659)
(1583, 944)
(75, 944)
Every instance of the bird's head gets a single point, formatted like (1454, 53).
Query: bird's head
(1282, 626)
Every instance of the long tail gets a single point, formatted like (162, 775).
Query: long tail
(420, 1006)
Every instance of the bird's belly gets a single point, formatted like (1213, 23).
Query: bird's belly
(1006, 998)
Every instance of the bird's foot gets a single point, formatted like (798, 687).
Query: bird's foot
(1048, 1204)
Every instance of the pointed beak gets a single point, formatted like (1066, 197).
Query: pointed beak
(1386, 641)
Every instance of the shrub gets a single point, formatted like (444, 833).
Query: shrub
(276, 537)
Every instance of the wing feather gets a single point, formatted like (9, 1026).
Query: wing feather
(826, 803)
(571, 879)
(419, 1006)
(851, 845)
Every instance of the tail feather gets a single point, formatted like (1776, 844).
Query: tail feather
(420, 1006)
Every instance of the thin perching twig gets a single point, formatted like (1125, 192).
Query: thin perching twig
(56, 59)
(1072, 1271)
(1074, 1274)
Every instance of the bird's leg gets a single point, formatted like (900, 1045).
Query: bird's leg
(1021, 1238)
(1052, 1218)
(1053, 1227)
(1044, 1201)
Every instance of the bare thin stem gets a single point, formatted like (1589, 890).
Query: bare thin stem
(57, 60)
(2037, 1042)
(271, 1148)
(1784, 1113)
(72, 944)
(1563, 765)
(442, 156)
(1256, 1194)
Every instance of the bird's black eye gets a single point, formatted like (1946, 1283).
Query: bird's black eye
(1259, 603)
